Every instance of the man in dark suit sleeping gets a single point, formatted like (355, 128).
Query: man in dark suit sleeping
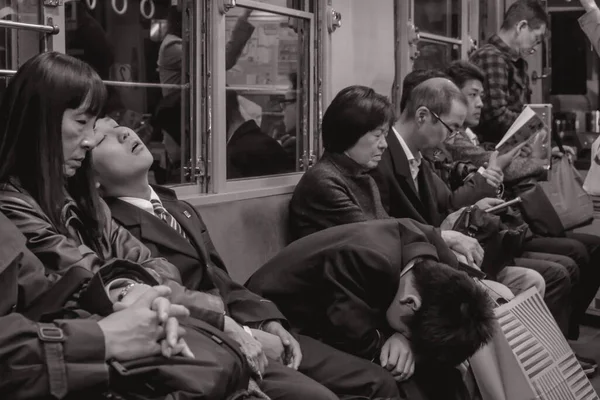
(174, 230)
(385, 290)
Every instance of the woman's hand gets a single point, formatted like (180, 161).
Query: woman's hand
(169, 315)
(136, 331)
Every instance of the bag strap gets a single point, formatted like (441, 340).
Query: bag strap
(52, 338)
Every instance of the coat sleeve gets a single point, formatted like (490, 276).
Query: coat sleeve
(522, 167)
(26, 367)
(421, 240)
(470, 192)
(355, 326)
(322, 201)
(590, 24)
(473, 190)
(463, 150)
(56, 251)
(245, 307)
(241, 33)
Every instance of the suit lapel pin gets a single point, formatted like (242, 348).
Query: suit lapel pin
(187, 214)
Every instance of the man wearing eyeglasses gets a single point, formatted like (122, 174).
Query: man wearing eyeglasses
(502, 59)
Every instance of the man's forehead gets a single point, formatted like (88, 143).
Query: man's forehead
(106, 123)
(541, 30)
(473, 84)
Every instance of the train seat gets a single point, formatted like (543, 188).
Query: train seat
(248, 232)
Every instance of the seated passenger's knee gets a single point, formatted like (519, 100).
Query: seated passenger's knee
(497, 290)
(382, 383)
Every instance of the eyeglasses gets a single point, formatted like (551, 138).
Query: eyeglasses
(452, 133)
(284, 103)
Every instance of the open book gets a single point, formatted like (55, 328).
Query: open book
(526, 126)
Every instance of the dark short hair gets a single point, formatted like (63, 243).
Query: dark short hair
(456, 317)
(355, 111)
(175, 21)
(31, 151)
(437, 94)
(461, 71)
(415, 78)
(531, 11)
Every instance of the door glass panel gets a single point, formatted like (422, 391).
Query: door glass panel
(440, 17)
(436, 55)
(146, 58)
(266, 100)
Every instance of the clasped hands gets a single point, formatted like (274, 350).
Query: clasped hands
(145, 323)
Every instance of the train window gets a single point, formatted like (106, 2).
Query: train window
(143, 50)
(438, 17)
(265, 111)
(436, 55)
(18, 45)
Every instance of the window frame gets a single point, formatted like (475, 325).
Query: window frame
(218, 182)
(407, 36)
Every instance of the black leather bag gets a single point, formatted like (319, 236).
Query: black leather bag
(500, 243)
(219, 370)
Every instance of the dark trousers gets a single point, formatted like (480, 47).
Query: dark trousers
(339, 375)
(556, 270)
(584, 249)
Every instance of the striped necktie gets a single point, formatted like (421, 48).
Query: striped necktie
(163, 214)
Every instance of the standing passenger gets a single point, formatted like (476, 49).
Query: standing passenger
(502, 59)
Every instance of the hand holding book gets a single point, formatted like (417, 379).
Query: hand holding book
(525, 129)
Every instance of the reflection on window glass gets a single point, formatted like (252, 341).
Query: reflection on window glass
(142, 58)
(441, 17)
(265, 115)
(295, 4)
(435, 55)
(18, 46)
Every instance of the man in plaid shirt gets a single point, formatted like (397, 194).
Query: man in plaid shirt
(502, 59)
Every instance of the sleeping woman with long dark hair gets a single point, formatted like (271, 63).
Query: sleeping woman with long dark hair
(47, 118)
